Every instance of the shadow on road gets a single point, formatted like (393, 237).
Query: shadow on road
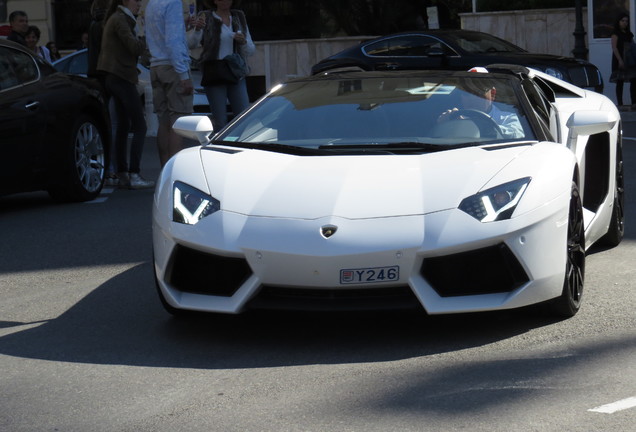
(122, 322)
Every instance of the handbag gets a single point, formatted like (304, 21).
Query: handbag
(237, 66)
(229, 70)
(216, 72)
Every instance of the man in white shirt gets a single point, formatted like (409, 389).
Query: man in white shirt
(169, 71)
(483, 101)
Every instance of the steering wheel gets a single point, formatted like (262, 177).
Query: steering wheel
(488, 128)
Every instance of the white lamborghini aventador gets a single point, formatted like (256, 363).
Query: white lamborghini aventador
(447, 191)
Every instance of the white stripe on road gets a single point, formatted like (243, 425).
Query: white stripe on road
(616, 406)
(629, 138)
(103, 196)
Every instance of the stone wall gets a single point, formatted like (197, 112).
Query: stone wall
(281, 60)
(545, 31)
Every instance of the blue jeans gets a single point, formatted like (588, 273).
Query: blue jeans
(218, 95)
(130, 117)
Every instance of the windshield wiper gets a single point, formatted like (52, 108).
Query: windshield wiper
(399, 147)
(273, 147)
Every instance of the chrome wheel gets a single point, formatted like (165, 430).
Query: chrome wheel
(89, 157)
(80, 168)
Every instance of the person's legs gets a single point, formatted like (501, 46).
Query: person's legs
(237, 95)
(135, 112)
(169, 105)
(117, 92)
(163, 141)
(619, 93)
(217, 98)
(632, 91)
(172, 143)
(112, 111)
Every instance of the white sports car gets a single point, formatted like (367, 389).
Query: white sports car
(446, 191)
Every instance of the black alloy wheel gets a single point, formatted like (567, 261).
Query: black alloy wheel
(616, 228)
(568, 304)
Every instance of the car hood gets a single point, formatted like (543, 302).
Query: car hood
(260, 183)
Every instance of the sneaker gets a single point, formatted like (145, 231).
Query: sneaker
(123, 180)
(138, 182)
(111, 179)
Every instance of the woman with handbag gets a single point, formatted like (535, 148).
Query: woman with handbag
(622, 39)
(226, 44)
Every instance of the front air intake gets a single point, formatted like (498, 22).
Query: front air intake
(489, 270)
(198, 272)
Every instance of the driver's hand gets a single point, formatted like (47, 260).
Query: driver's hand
(447, 115)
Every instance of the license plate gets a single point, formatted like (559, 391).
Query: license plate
(369, 275)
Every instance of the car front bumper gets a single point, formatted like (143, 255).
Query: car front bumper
(447, 261)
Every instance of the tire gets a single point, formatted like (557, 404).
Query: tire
(569, 302)
(616, 229)
(78, 174)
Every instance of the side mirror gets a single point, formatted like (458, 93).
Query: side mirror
(588, 123)
(198, 128)
(591, 122)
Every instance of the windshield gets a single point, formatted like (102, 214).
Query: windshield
(480, 43)
(401, 113)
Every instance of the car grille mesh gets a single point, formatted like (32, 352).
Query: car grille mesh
(202, 273)
(483, 271)
(284, 298)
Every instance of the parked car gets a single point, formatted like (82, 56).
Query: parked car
(52, 128)
(362, 190)
(456, 50)
(77, 63)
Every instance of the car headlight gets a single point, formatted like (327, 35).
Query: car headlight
(496, 203)
(190, 205)
(554, 72)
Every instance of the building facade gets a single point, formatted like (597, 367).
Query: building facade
(283, 26)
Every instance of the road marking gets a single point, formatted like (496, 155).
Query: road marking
(103, 196)
(616, 406)
(629, 138)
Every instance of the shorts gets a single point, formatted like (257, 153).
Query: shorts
(169, 103)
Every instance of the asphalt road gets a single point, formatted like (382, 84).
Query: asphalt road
(86, 346)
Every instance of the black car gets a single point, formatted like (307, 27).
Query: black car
(53, 127)
(456, 50)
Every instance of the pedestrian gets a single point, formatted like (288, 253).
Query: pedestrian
(622, 38)
(83, 41)
(32, 37)
(95, 31)
(53, 51)
(172, 88)
(19, 22)
(118, 59)
(226, 32)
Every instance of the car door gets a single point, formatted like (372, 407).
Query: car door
(22, 113)
(408, 52)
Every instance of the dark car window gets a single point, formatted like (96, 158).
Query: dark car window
(479, 43)
(407, 46)
(16, 68)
